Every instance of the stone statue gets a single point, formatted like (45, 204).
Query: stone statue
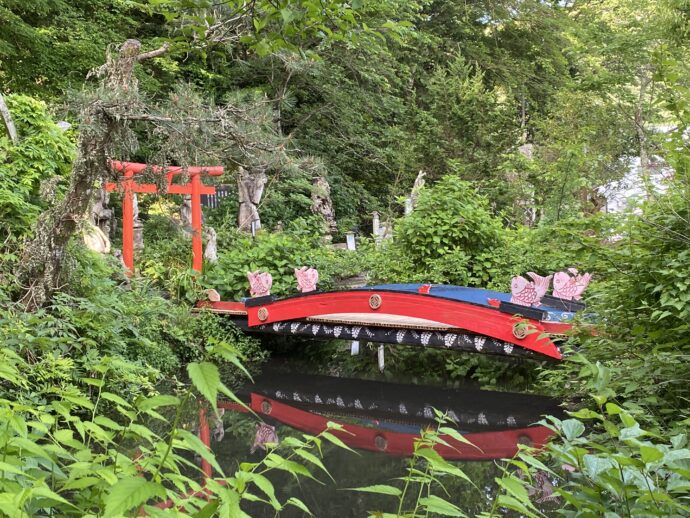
(95, 239)
(101, 214)
(138, 225)
(211, 251)
(217, 426)
(8, 122)
(250, 187)
(212, 295)
(97, 229)
(416, 188)
(186, 215)
(380, 231)
(322, 204)
(527, 150)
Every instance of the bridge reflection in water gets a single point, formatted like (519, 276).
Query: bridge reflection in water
(388, 417)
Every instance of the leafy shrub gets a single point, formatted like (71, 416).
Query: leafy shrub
(79, 448)
(44, 153)
(84, 329)
(277, 253)
(422, 479)
(451, 237)
(641, 304)
(604, 462)
(584, 243)
(167, 259)
(205, 331)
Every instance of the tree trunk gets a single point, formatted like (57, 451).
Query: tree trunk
(42, 258)
(645, 78)
(9, 123)
(101, 128)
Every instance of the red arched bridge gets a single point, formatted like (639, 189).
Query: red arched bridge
(440, 316)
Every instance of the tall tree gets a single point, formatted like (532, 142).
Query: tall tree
(103, 124)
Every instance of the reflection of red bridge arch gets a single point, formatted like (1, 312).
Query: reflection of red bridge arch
(127, 185)
(489, 445)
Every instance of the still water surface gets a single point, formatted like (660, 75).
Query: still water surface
(383, 419)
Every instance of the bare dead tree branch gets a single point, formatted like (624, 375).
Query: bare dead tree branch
(154, 53)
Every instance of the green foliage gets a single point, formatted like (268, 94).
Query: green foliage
(451, 237)
(103, 312)
(204, 334)
(584, 142)
(166, 259)
(78, 448)
(105, 317)
(267, 28)
(576, 242)
(465, 122)
(619, 467)
(288, 199)
(539, 104)
(425, 473)
(48, 47)
(278, 253)
(43, 156)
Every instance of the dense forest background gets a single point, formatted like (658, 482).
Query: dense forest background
(528, 119)
(442, 87)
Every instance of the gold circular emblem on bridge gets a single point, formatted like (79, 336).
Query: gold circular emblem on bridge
(266, 406)
(262, 314)
(526, 440)
(375, 301)
(380, 442)
(520, 331)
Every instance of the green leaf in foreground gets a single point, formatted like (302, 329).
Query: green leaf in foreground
(335, 440)
(206, 379)
(310, 457)
(157, 401)
(434, 504)
(299, 504)
(209, 510)
(129, 493)
(379, 489)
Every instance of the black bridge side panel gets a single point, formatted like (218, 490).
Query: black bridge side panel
(452, 340)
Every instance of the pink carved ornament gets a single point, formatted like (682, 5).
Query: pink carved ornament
(307, 278)
(265, 434)
(259, 283)
(529, 293)
(570, 287)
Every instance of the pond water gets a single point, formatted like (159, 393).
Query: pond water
(382, 420)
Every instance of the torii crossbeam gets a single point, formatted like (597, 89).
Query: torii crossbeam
(128, 185)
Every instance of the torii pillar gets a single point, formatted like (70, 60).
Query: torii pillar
(128, 186)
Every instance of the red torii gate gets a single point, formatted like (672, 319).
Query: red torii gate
(128, 185)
